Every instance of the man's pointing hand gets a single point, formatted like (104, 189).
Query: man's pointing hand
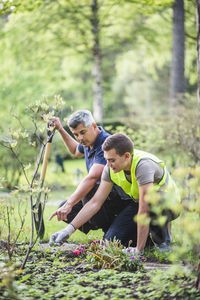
(61, 213)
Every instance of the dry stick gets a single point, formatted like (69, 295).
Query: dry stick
(19, 232)
(15, 241)
(8, 239)
(22, 166)
(16, 156)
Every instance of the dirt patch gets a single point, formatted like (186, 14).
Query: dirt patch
(66, 247)
(152, 266)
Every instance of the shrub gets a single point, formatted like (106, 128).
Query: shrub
(109, 255)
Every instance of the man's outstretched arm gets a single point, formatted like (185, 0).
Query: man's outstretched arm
(82, 190)
(94, 205)
(85, 214)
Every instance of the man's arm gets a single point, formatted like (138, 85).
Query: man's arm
(82, 190)
(94, 205)
(70, 143)
(86, 213)
(143, 230)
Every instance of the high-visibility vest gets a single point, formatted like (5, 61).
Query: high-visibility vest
(132, 189)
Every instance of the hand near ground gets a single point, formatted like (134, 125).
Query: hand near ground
(58, 238)
(61, 213)
(132, 251)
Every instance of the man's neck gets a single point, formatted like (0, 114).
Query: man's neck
(127, 170)
(97, 132)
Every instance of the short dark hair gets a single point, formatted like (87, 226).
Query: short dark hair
(120, 142)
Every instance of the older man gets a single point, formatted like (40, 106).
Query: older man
(135, 172)
(118, 207)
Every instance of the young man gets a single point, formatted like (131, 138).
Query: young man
(135, 172)
(118, 207)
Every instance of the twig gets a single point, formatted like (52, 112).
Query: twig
(9, 231)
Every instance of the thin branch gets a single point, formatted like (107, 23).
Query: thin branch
(9, 231)
(16, 239)
(20, 162)
(190, 36)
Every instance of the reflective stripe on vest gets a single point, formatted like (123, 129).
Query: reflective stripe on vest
(132, 189)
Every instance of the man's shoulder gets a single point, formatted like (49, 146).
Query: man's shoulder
(103, 131)
(103, 134)
(145, 164)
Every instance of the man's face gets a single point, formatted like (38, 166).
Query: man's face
(85, 135)
(115, 161)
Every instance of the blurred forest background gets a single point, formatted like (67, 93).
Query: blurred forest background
(132, 63)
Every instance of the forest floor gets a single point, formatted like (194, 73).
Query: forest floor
(57, 273)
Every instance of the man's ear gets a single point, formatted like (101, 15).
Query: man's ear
(127, 155)
(94, 125)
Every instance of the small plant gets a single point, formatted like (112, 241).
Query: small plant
(10, 206)
(81, 250)
(15, 142)
(8, 288)
(109, 255)
(157, 255)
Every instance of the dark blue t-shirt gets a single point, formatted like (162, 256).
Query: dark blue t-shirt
(95, 155)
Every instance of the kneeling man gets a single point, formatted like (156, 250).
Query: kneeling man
(136, 172)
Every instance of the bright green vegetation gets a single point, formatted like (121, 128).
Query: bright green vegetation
(63, 276)
(48, 48)
(56, 179)
(62, 185)
(135, 38)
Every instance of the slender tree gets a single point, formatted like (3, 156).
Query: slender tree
(198, 54)
(97, 73)
(198, 97)
(177, 76)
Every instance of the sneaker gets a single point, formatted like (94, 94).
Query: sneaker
(164, 247)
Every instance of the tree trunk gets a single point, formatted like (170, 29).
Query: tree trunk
(198, 55)
(198, 98)
(177, 76)
(97, 74)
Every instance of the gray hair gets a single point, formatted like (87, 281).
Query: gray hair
(81, 116)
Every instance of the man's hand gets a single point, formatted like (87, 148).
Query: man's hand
(132, 251)
(58, 238)
(61, 213)
(55, 122)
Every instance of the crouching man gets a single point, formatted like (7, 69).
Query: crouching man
(116, 213)
(136, 172)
